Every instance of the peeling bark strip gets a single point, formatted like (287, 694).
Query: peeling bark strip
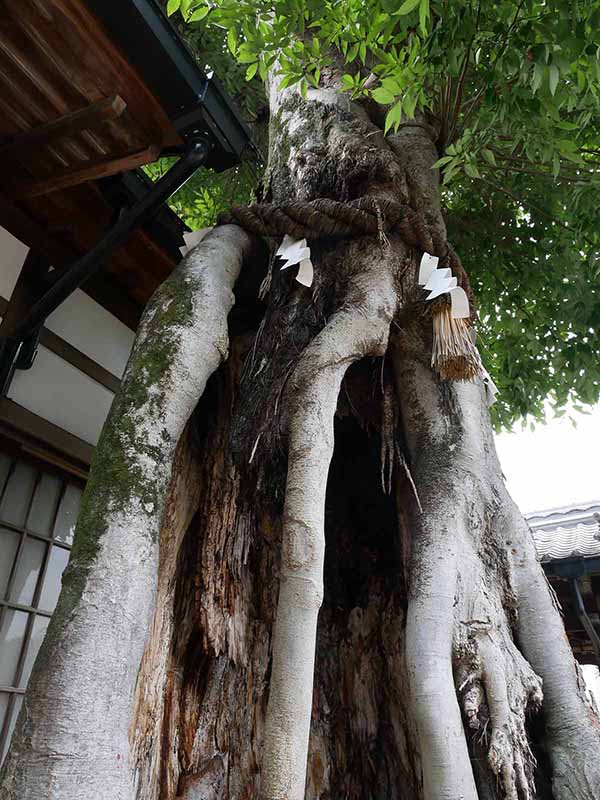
(71, 740)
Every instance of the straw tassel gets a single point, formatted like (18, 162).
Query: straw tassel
(453, 354)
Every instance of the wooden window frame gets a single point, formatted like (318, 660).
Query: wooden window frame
(67, 478)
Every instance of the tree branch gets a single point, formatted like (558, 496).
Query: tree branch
(533, 207)
(463, 75)
(547, 175)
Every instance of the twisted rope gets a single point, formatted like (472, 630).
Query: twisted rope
(324, 218)
(454, 355)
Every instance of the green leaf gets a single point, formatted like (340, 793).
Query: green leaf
(289, 80)
(382, 96)
(199, 14)
(553, 77)
(173, 6)
(450, 172)
(471, 170)
(538, 75)
(409, 104)
(392, 86)
(232, 41)
(441, 161)
(423, 16)
(245, 55)
(489, 156)
(352, 53)
(406, 8)
(393, 116)
(251, 71)
(556, 165)
(568, 148)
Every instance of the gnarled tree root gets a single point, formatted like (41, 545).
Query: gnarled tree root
(497, 689)
(483, 635)
(359, 328)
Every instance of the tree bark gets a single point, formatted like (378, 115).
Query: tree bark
(180, 663)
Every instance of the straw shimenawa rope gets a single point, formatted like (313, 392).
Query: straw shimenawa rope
(454, 355)
(324, 218)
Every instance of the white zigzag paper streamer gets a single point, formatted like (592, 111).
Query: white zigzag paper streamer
(440, 281)
(295, 251)
(491, 390)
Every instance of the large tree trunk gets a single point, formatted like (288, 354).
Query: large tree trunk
(438, 639)
(71, 740)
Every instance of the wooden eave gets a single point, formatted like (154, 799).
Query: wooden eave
(73, 111)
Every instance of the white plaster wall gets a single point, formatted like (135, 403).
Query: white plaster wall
(79, 320)
(90, 328)
(12, 255)
(54, 389)
(61, 394)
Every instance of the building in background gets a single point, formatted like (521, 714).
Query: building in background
(568, 544)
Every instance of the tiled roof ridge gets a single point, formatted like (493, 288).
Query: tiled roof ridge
(577, 508)
(574, 534)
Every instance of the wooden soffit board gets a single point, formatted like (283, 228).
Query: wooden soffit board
(72, 111)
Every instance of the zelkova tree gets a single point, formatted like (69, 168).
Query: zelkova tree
(297, 571)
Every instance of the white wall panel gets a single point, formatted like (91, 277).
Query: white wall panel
(90, 328)
(61, 394)
(12, 256)
(79, 320)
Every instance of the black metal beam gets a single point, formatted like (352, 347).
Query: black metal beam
(71, 278)
(19, 331)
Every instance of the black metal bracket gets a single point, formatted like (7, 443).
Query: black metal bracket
(194, 101)
(19, 332)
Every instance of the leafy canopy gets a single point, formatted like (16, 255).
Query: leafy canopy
(515, 90)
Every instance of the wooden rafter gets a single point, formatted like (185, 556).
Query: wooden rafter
(67, 125)
(99, 169)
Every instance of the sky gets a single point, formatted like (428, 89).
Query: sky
(554, 465)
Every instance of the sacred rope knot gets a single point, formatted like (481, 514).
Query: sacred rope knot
(454, 354)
